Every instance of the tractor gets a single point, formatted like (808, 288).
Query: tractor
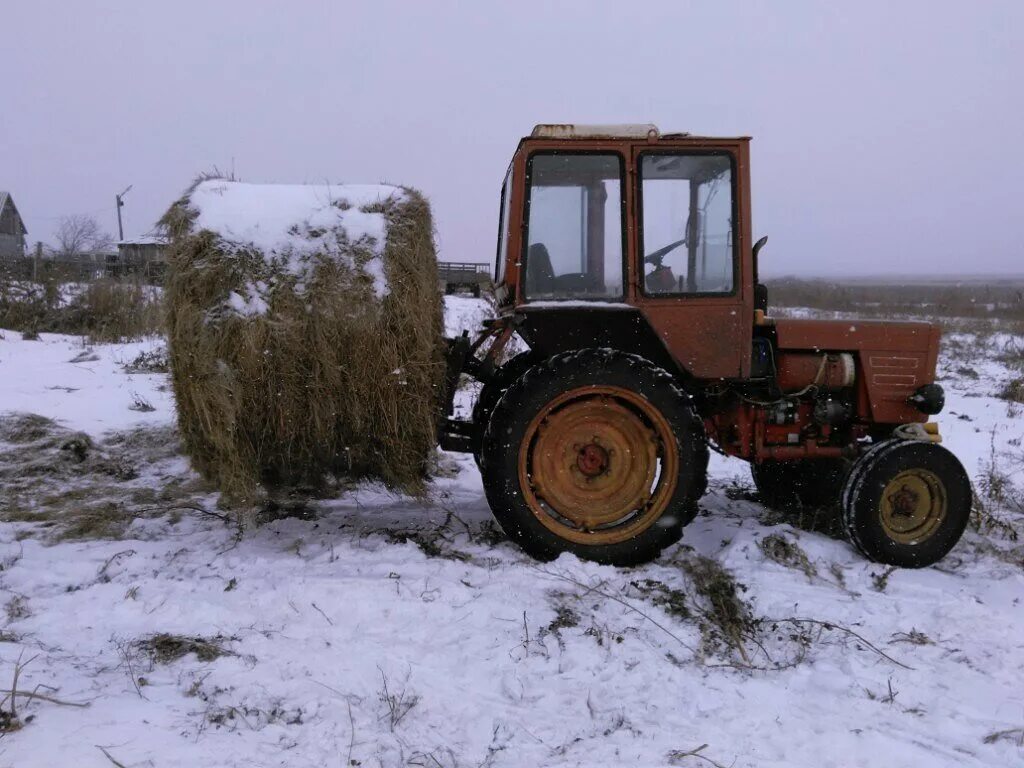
(627, 274)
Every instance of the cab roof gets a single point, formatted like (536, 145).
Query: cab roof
(647, 131)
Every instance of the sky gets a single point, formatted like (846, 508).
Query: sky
(887, 136)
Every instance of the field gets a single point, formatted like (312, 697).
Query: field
(143, 629)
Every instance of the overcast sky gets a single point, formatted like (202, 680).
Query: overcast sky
(887, 136)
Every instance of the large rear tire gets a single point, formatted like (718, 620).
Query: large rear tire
(594, 452)
(906, 503)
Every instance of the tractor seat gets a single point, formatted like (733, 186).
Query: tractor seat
(540, 277)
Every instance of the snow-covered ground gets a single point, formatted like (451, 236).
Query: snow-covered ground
(377, 630)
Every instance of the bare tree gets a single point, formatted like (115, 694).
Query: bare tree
(80, 235)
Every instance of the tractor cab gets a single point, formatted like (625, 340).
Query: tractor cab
(654, 228)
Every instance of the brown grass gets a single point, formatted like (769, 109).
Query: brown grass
(113, 311)
(105, 310)
(725, 617)
(781, 550)
(67, 486)
(995, 300)
(331, 382)
(165, 648)
(1012, 390)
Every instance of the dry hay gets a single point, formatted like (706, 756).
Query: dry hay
(788, 554)
(165, 648)
(35, 448)
(726, 618)
(286, 377)
(69, 486)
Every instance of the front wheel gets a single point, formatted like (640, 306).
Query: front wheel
(906, 503)
(594, 452)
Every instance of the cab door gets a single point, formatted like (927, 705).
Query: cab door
(690, 266)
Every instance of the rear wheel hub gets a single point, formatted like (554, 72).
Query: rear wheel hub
(592, 460)
(598, 465)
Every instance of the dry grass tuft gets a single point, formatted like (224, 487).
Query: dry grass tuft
(1013, 390)
(164, 648)
(151, 361)
(787, 553)
(21, 428)
(726, 617)
(103, 520)
(672, 601)
(330, 381)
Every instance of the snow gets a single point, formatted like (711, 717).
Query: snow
(579, 304)
(320, 613)
(83, 387)
(462, 313)
(293, 222)
(145, 240)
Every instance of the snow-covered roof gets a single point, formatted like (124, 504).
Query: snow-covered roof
(611, 131)
(144, 240)
(575, 131)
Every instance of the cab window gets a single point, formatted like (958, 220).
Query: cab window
(574, 227)
(686, 227)
(503, 227)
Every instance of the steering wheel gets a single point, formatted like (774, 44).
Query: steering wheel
(658, 256)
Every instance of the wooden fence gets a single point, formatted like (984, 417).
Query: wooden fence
(83, 269)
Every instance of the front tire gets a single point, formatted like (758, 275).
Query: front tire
(906, 503)
(594, 452)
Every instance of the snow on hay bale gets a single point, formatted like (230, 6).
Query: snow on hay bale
(304, 327)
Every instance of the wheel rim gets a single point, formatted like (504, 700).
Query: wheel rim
(913, 506)
(598, 465)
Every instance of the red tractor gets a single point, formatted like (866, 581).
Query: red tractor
(626, 263)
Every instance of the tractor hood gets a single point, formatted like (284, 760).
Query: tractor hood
(854, 335)
(894, 359)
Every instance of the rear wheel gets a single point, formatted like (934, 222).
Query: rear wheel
(906, 503)
(808, 483)
(594, 452)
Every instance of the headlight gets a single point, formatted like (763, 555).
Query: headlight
(928, 399)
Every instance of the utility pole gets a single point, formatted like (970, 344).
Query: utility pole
(120, 205)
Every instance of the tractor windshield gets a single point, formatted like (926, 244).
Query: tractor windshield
(574, 228)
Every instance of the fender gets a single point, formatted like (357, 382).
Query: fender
(550, 328)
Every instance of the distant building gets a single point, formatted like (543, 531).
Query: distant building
(144, 257)
(12, 228)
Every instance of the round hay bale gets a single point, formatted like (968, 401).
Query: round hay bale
(304, 327)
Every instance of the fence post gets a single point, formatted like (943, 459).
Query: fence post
(35, 261)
